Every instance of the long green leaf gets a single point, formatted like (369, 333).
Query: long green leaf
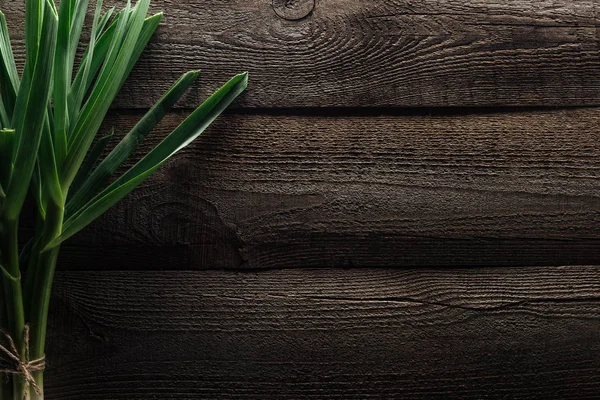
(78, 11)
(84, 78)
(150, 25)
(36, 190)
(122, 25)
(5, 121)
(104, 22)
(130, 142)
(89, 163)
(62, 77)
(184, 134)
(34, 17)
(106, 88)
(9, 78)
(49, 172)
(92, 59)
(7, 141)
(30, 113)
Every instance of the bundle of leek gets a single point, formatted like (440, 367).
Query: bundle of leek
(49, 119)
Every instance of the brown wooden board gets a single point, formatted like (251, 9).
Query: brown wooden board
(272, 191)
(371, 53)
(494, 333)
(373, 133)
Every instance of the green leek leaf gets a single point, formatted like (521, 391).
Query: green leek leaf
(34, 16)
(30, 113)
(77, 18)
(89, 66)
(130, 142)
(89, 163)
(104, 22)
(62, 78)
(4, 118)
(36, 190)
(148, 29)
(7, 141)
(183, 135)
(107, 86)
(9, 78)
(49, 173)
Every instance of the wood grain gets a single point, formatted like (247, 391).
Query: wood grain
(518, 333)
(273, 191)
(333, 159)
(371, 53)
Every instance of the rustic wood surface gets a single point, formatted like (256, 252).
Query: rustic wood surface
(372, 53)
(495, 333)
(405, 134)
(272, 191)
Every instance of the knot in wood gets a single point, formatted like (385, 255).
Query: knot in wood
(293, 10)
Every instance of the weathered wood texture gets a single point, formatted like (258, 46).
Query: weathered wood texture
(302, 176)
(271, 191)
(373, 53)
(504, 333)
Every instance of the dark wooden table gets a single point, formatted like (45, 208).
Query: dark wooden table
(404, 204)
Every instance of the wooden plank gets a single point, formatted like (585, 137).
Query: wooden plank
(518, 333)
(372, 53)
(271, 191)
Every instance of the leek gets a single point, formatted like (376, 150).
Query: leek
(50, 148)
